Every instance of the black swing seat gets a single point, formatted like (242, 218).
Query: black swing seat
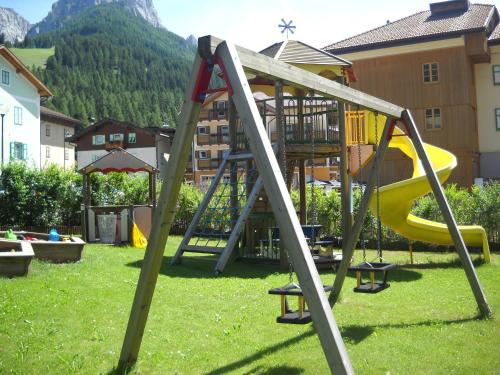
(289, 316)
(371, 286)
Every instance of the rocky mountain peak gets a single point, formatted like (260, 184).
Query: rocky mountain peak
(12, 25)
(64, 10)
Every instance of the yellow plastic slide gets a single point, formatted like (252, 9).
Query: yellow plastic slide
(396, 199)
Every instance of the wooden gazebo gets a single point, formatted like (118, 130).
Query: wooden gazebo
(118, 160)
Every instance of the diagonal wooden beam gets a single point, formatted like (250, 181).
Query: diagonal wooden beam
(163, 217)
(437, 189)
(274, 183)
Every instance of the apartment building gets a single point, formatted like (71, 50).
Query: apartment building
(441, 64)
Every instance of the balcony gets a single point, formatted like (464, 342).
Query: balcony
(212, 139)
(209, 163)
(214, 114)
(114, 144)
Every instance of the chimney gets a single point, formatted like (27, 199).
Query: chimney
(452, 6)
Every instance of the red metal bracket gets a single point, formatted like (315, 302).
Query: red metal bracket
(219, 62)
(202, 81)
(391, 130)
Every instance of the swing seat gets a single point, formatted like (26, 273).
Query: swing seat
(289, 316)
(372, 286)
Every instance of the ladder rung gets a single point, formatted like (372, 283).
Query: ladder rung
(203, 249)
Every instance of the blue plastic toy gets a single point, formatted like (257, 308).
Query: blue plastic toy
(53, 235)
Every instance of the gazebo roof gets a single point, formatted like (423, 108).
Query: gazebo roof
(118, 160)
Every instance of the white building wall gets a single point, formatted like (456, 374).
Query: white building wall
(56, 145)
(20, 93)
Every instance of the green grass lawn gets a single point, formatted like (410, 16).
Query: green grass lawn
(71, 319)
(33, 56)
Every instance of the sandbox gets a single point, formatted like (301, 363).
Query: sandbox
(15, 257)
(69, 249)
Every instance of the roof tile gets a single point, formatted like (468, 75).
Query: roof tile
(421, 25)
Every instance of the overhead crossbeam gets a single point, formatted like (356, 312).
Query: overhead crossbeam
(265, 66)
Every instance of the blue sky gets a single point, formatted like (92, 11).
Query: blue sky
(254, 24)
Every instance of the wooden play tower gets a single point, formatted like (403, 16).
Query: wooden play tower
(241, 68)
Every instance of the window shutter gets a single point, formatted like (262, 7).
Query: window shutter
(197, 154)
(12, 151)
(25, 151)
(93, 139)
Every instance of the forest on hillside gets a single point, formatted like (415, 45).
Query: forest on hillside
(109, 63)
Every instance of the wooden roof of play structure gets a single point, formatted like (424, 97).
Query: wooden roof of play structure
(296, 52)
(118, 160)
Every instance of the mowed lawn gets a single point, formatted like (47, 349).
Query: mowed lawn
(71, 319)
(33, 56)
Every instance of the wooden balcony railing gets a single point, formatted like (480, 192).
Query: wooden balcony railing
(114, 144)
(357, 127)
(212, 139)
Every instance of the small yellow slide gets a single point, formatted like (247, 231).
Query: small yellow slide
(396, 199)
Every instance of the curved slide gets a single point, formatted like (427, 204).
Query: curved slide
(396, 199)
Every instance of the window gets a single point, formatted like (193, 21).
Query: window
(497, 119)
(203, 154)
(18, 116)
(5, 77)
(132, 138)
(66, 154)
(496, 74)
(432, 118)
(221, 109)
(224, 130)
(203, 130)
(18, 151)
(431, 72)
(116, 137)
(98, 139)
(94, 158)
(47, 130)
(47, 152)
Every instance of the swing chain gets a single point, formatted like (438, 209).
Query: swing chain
(377, 174)
(360, 174)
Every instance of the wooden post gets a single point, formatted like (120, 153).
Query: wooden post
(437, 189)
(163, 218)
(233, 169)
(293, 237)
(350, 242)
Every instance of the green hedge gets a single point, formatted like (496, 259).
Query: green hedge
(52, 196)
